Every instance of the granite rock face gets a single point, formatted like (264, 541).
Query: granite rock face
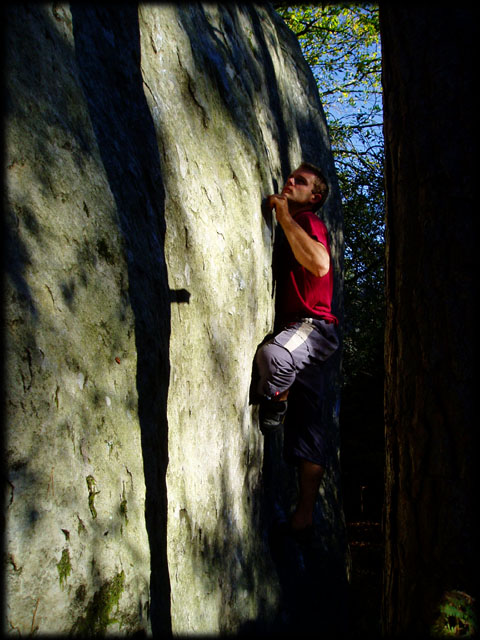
(139, 145)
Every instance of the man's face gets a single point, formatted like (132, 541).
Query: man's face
(298, 190)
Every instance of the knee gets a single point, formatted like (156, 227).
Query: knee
(263, 356)
(276, 369)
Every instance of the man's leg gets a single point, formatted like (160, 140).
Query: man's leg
(306, 446)
(309, 478)
(276, 371)
(282, 396)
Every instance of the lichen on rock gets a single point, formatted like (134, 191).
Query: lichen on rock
(64, 567)
(98, 611)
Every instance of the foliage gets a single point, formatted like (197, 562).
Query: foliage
(456, 616)
(341, 43)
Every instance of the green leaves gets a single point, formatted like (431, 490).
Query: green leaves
(342, 46)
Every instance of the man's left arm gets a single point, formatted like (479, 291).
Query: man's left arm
(310, 253)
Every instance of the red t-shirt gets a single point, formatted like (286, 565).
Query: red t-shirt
(300, 294)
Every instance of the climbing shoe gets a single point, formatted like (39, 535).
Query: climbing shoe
(272, 415)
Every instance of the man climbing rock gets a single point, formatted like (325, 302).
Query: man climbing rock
(290, 364)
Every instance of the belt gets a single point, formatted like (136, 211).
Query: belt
(313, 320)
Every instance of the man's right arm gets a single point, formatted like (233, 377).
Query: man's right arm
(310, 253)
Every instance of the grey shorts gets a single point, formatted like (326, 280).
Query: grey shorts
(294, 354)
(294, 359)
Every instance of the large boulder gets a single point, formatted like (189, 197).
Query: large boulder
(139, 145)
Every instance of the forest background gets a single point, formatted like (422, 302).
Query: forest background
(341, 43)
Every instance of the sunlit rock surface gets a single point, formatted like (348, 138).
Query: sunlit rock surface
(139, 146)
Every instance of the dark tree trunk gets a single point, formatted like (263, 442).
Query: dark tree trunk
(431, 541)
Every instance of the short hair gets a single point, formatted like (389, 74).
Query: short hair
(320, 184)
